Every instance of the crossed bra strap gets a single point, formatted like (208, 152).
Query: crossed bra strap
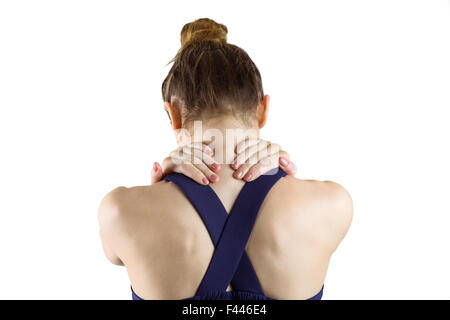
(229, 232)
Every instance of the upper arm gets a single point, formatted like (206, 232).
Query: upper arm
(338, 213)
(109, 219)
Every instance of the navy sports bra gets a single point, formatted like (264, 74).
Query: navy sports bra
(229, 233)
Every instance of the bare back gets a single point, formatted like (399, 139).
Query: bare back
(160, 238)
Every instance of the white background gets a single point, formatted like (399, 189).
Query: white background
(360, 95)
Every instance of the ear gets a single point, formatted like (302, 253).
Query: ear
(174, 114)
(262, 111)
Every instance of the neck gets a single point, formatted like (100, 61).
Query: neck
(221, 134)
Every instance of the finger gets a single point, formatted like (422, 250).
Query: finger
(192, 168)
(263, 151)
(272, 149)
(242, 169)
(156, 173)
(179, 161)
(262, 167)
(200, 158)
(203, 167)
(201, 146)
(288, 166)
(245, 144)
(249, 153)
(207, 171)
(188, 169)
(168, 165)
(193, 148)
(207, 149)
(259, 163)
(284, 154)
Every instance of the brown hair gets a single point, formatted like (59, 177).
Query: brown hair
(211, 77)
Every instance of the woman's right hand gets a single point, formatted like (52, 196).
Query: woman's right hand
(194, 161)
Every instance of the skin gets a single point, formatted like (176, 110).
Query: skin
(157, 234)
(248, 165)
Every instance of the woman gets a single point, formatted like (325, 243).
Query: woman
(227, 232)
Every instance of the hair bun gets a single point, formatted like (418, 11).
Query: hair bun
(203, 29)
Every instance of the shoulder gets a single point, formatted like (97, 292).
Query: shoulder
(112, 215)
(123, 203)
(123, 207)
(326, 204)
(121, 213)
(337, 206)
(143, 214)
(111, 203)
(126, 206)
(327, 193)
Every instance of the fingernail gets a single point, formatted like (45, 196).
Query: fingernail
(155, 167)
(234, 165)
(238, 174)
(214, 177)
(284, 162)
(248, 177)
(214, 166)
(205, 181)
